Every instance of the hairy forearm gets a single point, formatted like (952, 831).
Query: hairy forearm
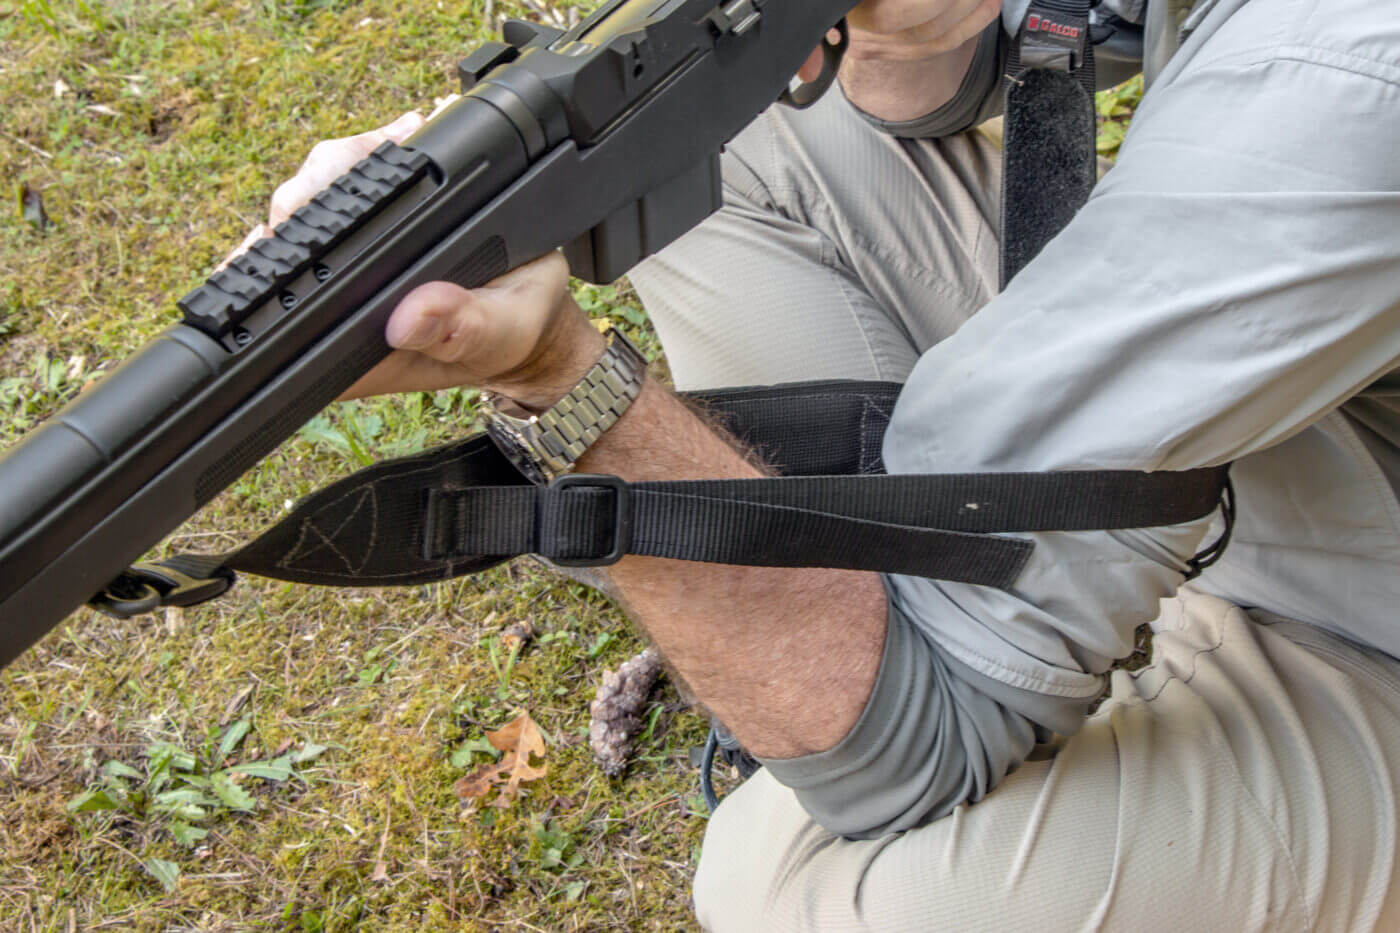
(785, 657)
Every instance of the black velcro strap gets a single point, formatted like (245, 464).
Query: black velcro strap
(1049, 159)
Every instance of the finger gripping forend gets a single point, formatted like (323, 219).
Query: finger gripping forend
(245, 284)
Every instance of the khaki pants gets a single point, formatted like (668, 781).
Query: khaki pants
(1245, 781)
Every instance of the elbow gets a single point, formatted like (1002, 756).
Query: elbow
(928, 740)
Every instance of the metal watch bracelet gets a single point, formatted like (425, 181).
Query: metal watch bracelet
(547, 445)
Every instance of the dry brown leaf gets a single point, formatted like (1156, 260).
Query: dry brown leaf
(519, 740)
(478, 783)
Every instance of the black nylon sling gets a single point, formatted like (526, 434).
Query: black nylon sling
(463, 507)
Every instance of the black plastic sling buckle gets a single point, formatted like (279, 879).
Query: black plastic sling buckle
(578, 520)
(553, 509)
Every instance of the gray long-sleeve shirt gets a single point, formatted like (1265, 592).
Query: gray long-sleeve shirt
(1231, 292)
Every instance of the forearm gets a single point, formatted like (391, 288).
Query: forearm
(756, 644)
(849, 703)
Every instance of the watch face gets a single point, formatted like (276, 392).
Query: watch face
(516, 451)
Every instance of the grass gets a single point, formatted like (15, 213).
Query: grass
(154, 131)
(284, 758)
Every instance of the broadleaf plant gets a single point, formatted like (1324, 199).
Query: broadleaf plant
(181, 792)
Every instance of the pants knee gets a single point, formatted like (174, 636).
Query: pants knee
(739, 863)
(720, 883)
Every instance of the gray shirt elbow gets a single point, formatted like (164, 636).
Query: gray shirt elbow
(934, 734)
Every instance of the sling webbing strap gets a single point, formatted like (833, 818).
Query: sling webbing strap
(936, 526)
(463, 507)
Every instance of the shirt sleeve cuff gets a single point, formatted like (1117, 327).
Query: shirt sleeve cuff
(933, 735)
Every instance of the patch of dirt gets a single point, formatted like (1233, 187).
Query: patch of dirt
(172, 114)
(17, 351)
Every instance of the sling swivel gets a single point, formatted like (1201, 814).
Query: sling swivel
(146, 587)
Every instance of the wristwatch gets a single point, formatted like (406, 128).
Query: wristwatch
(547, 445)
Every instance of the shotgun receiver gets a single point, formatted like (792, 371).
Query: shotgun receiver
(603, 139)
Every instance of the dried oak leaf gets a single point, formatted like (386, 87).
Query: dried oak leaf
(519, 740)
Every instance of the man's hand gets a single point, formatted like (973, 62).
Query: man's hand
(521, 335)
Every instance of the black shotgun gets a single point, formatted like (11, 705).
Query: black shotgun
(603, 139)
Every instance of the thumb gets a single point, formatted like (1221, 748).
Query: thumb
(430, 316)
(465, 328)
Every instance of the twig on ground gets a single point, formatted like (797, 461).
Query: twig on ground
(43, 153)
(381, 871)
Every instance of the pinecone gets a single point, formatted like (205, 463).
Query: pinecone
(617, 710)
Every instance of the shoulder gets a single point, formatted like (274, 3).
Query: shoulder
(1359, 37)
